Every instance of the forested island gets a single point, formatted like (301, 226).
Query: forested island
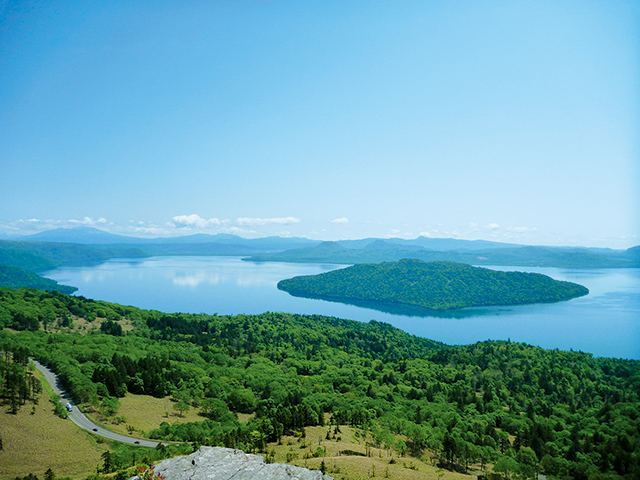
(432, 285)
(521, 409)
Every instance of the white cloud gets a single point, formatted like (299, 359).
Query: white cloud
(193, 220)
(244, 221)
(492, 226)
(86, 221)
(395, 233)
(522, 229)
(194, 223)
(342, 220)
(144, 230)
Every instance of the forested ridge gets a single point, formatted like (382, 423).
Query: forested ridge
(16, 277)
(432, 285)
(523, 408)
(41, 256)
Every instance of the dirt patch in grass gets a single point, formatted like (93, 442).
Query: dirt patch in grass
(380, 463)
(245, 417)
(83, 326)
(35, 440)
(144, 413)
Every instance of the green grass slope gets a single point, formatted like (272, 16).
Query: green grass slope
(433, 285)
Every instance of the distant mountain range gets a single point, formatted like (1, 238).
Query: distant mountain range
(82, 235)
(94, 236)
(493, 254)
(88, 246)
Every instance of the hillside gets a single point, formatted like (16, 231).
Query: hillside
(29, 434)
(434, 285)
(260, 382)
(41, 256)
(15, 277)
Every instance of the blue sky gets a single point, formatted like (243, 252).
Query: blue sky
(509, 121)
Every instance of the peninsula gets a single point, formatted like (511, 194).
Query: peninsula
(432, 285)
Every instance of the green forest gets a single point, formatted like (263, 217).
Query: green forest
(524, 409)
(42, 256)
(432, 285)
(16, 277)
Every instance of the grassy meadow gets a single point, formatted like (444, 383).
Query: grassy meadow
(144, 413)
(35, 440)
(345, 457)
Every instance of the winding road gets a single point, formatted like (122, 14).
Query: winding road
(80, 419)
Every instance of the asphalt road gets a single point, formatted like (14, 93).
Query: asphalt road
(79, 418)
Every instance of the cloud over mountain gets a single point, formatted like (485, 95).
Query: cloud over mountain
(194, 220)
(244, 221)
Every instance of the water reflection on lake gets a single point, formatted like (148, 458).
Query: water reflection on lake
(606, 322)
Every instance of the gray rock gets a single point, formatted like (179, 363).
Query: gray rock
(214, 463)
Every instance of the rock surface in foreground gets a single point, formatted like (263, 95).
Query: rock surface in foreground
(214, 463)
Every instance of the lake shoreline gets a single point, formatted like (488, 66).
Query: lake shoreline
(606, 322)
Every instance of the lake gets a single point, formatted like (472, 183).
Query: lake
(606, 322)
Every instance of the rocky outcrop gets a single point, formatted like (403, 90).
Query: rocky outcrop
(214, 463)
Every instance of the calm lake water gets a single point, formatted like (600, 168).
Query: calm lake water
(606, 322)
